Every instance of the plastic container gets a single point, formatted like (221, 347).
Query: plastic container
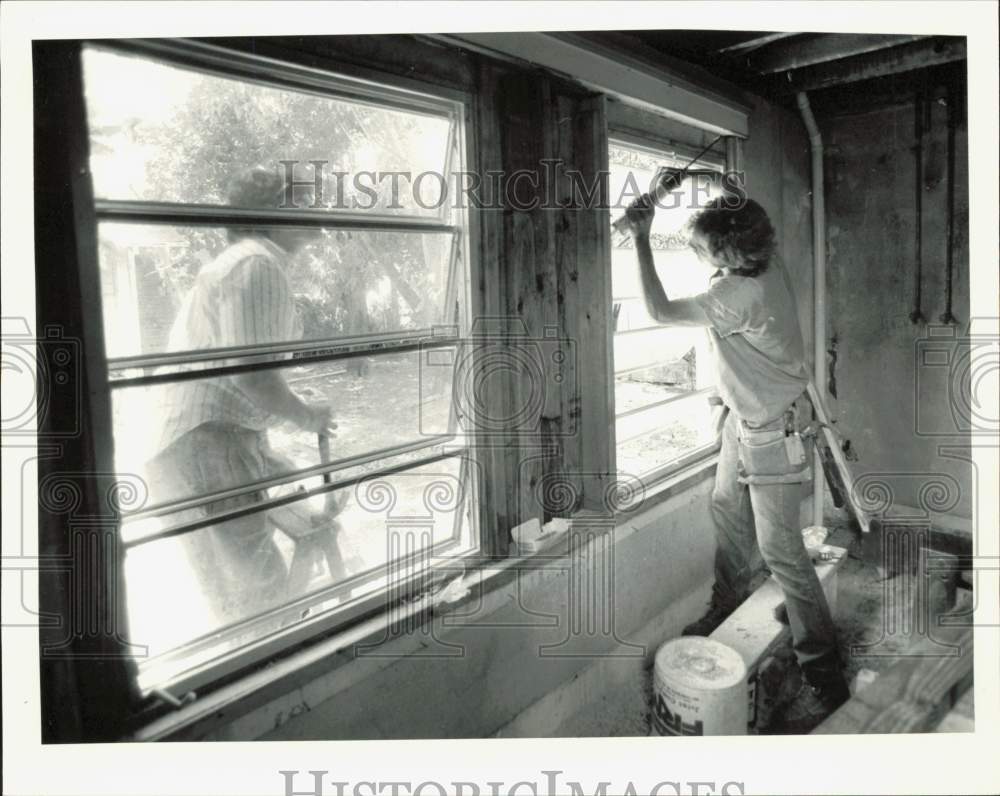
(699, 688)
(813, 538)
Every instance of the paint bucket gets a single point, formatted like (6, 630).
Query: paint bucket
(699, 688)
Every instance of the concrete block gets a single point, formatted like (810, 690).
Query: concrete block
(754, 632)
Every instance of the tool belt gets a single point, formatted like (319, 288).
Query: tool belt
(774, 452)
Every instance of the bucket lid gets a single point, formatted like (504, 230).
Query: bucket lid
(700, 663)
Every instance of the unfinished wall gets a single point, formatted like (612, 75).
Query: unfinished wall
(895, 406)
(776, 161)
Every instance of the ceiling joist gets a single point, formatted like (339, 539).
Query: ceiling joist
(755, 43)
(880, 63)
(821, 49)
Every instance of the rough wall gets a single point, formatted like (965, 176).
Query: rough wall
(776, 161)
(894, 404)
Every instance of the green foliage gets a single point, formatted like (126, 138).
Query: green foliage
(224, 127)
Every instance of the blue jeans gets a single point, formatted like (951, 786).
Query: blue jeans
(764, 518)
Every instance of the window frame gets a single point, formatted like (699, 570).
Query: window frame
(652, 144)
(373, 87)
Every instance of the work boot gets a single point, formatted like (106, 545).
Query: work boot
(715, 616)
(814, 703)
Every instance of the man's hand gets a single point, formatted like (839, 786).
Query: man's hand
(640, 216)
(669, 179)
(318, 418)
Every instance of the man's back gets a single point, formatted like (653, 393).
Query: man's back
(242, 298)
(758, 343)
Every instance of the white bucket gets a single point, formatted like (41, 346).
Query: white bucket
(699, 688)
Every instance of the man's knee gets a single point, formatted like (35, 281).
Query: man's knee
(772, 552)
(781, 549)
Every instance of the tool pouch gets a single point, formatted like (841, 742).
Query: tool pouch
(773, 454)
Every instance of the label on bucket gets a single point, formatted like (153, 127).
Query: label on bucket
(699, 688)
(682, 719)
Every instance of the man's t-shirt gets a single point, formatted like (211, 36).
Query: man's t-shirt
(242, 298)
(758, 343)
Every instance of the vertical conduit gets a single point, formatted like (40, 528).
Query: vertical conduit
(920, 109)
(946, 316)
(819, 287)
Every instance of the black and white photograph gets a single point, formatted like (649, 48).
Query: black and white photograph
(500, 398)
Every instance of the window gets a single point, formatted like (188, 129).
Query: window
(663, 375)
(256, 532)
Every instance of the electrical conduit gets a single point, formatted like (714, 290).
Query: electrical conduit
(819, 287)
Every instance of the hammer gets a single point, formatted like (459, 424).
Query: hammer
(667, 179)
(331, 504)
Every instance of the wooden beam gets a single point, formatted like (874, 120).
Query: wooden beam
(827, 47)
(686, 73)
(585, 283)
(894, 60)
(490, 301)
(914, 694)
(615, 74)
(755, 43)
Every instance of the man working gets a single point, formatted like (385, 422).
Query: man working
(750, 313)
(213, 433)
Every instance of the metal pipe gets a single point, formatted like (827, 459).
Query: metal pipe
(819, 285)
(669, 179)
(917, 315)
(946, 316)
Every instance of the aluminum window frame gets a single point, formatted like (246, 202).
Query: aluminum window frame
(381, 91)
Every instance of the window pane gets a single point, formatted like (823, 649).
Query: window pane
(378, 402)
(654, 364)
(162, 133)
(658, 435)
(168, 288)
(252, 566)
(169, 134)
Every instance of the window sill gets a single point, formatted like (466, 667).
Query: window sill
(663, 485)
(328, 658)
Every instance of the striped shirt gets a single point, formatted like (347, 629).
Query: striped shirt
(242, 298)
